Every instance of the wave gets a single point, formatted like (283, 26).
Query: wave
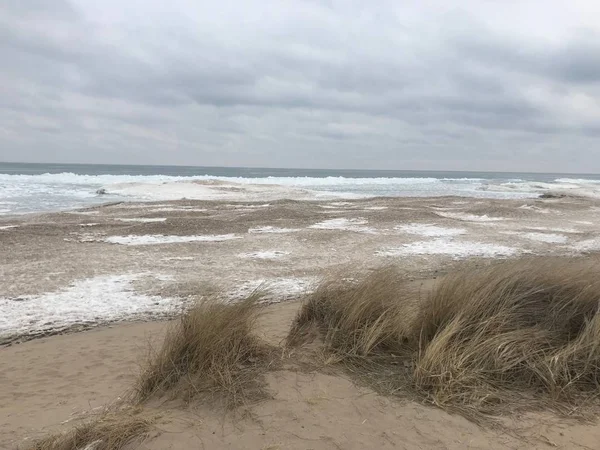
(577, 181)
(72, 178)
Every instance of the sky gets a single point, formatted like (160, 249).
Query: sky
(431, 85)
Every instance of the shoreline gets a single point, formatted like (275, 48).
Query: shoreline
(173, 252)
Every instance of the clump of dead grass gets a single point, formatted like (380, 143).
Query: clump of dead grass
(111, 431)
(210, 351)
(515, 335)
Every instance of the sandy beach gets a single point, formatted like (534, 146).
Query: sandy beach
(122, 271)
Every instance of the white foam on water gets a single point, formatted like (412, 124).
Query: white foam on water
(95, 300)
(449, 247)
(344, 224)
(265, 254)
(429, 230)
(68, 190)
(158, 239)
(141, 219)
(270, 229)
(469, 217)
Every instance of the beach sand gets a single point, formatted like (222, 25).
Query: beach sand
(121, 271)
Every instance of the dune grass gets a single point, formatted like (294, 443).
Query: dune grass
(111, 431)
(211, 352)
(513, 336)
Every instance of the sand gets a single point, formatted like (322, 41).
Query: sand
(55, 260)
(52, 383)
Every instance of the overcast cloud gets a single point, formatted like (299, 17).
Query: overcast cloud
(478, 85)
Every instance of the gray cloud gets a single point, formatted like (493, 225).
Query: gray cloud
(307, 84)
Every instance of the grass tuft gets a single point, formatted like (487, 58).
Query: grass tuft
(111, 431)
(210, 351)
(516, 335)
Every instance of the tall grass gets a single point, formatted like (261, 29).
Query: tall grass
(519, 334)
(211, 351)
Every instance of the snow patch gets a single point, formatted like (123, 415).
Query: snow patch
(589, 245)
(84, 213)
(341, 203)
(266, 205)
(447, 246)
(91, 301)
(93, 224)
(550, 238)
(535, 208)
(555, 229)
(469, 217)
(344, 224)
(179, 258)
(142, 219)
(274, 289)
(180, 209)
(267, 254)
(270, 229)
(157, 239)
(429, 230)
(8, 227)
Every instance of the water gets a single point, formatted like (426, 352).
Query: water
(26, 188)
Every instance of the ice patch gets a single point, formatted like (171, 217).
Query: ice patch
(270, 229)
(344, 224)
(447, 246)
(96, 300)
(469, 217)
(268, 254)
(275, 289)
(429, 230)
(157, 239)
(142, 219)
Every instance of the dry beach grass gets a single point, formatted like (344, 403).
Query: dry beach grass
(210, 351)
(513, 336)
(112, 430)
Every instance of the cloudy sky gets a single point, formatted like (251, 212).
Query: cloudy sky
(461, 85)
